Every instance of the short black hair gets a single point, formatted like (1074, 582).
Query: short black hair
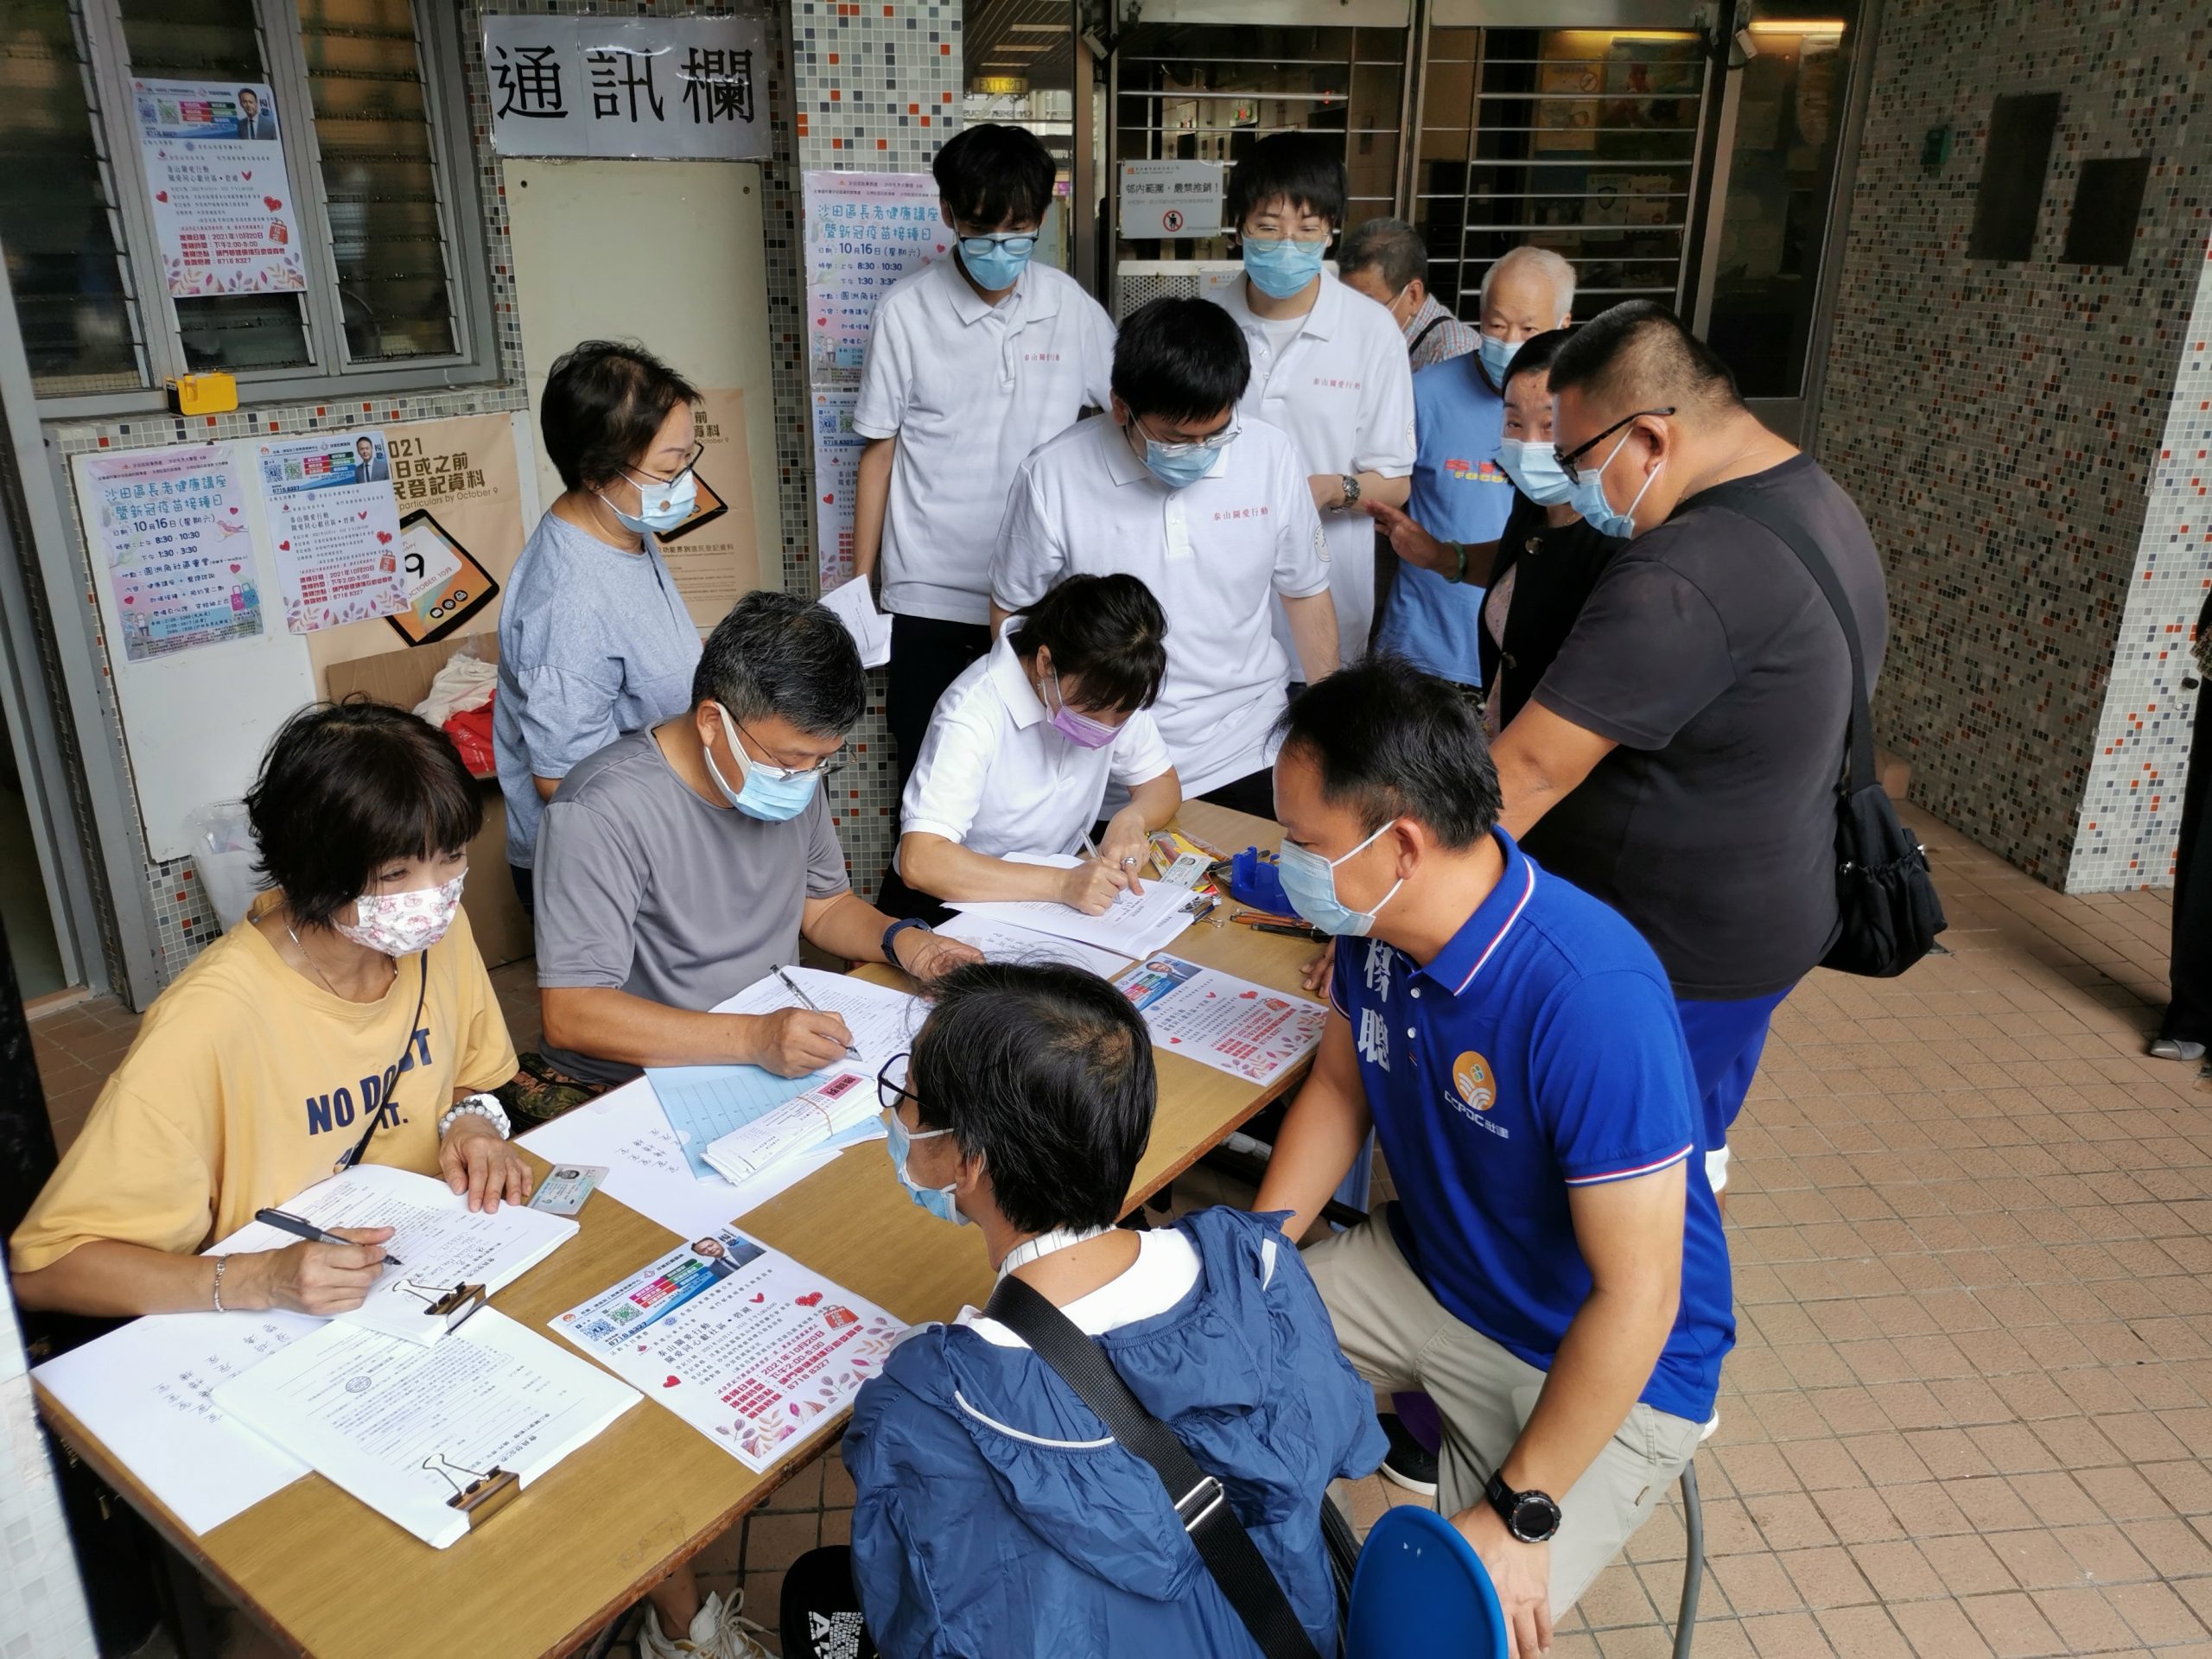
(1393, 742)
(1393, 247)
(989, 173)
(778, 654)
(1044, 1071)
(249, 92)
(1537, 354)
(346, 786)
(603, 402)
(1180, 358)
(1639, 353)
(1108, 632)
(1305, 169)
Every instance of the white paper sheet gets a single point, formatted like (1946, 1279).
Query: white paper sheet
(403, 1427)
(839, 1110)
(746, 1345)
(1231, 1024)
(850, 603)
(439, 1242)
(1003, 942)
(143, 1390)
(1135, 925)
(625, 1130)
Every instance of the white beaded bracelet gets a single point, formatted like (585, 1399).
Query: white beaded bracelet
(486, 1107)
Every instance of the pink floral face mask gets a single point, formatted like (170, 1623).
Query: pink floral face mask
(400, 924)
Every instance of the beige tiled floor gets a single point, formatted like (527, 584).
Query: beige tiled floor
(1970, 1409)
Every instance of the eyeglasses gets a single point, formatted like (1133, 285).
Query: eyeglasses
(890, 1084)
(828, 765)
(1566, 462)
(1210, 446)
(689, 461)
(1010, 241)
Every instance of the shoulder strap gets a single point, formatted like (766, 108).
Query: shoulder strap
(1749, 504)
(1427, 329)
(1228, 1550)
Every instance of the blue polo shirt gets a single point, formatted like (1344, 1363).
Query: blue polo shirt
(1459, 494)
(1540, 1052)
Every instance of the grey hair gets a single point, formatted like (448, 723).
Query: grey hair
(1392, 246)
(778, 654)
(1540, 262)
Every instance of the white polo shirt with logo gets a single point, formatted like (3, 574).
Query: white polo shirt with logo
(1342, 390)
(969, 388)
(1214, 554)
(997, 777)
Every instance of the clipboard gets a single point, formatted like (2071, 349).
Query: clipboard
(447, 584)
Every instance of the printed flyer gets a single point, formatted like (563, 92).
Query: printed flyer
(1228, 1023)
(172, 538)
(336, 522)
(222, 210)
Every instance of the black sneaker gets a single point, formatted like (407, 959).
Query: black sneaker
(1410, 1464)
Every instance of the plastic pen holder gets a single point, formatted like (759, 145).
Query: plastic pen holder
(1255, 879)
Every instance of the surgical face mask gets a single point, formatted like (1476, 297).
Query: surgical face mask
(1309, 881)
(1180, 465)
(1498, 356)
(996, 262)
(938, 1200)
(1079, 729)
(662, 505)
(1279, 267)
(1596, 511)
(400, 924)
(770, 793)
(1534, 469)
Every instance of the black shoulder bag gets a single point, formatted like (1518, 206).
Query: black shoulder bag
(1228, 1550)
(1889, 913)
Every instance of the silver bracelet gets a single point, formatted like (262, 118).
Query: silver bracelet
(222, 1261)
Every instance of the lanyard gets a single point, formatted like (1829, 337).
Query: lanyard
(1044, 1243)
(354, 1155)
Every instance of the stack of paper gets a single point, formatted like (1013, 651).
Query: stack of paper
(406, 1429)
(1003, 942)
(1135, 925)
(439, 1244)
(822, 1115)
(852, 605)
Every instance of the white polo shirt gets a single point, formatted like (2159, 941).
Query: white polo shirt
(997, 777)
(969, 388)
(1342, 389)
(1213, 554)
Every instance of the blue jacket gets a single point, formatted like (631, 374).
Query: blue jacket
(995, 1516)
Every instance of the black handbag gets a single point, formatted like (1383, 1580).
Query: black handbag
(1888, 912)
(1200, 1503)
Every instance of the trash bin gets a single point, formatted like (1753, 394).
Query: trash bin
(223, 851)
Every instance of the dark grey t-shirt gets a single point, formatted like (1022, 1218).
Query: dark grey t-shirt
(1708, 654)
(643, 887)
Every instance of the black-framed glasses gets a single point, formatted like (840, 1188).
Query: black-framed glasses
(890, 1084)
(1566, 462)
(689, 461)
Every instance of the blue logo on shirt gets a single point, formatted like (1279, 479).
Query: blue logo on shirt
(338, 1109)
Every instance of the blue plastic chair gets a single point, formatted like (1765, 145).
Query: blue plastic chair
(1420, 1591)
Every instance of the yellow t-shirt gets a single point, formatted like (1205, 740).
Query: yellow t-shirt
(247, 1081)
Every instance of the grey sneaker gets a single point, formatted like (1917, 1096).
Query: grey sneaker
(2175, 1048)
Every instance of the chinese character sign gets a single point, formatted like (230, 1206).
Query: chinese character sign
(864, 230)
(1169, 200)
(332, 510)
(684, 88)
(223, 212)
(172, 538)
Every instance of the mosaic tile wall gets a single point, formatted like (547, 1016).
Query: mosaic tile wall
(2130, 812)
(180, 917)
(2000, 424)
(878, 90)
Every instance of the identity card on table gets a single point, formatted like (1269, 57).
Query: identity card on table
(1225, 1022)
(744, 1344)
(1135, 925)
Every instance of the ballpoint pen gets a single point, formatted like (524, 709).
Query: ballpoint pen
(284, 1221)
(792, 985)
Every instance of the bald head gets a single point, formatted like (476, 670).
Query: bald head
(1638, 355)
(1538, 279)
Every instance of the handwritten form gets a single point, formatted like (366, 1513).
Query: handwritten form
(1135, 925)
(1004, 942)
(403, 1427)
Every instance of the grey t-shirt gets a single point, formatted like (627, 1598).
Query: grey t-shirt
(642, 886)
(1709, 655)
(593, 642)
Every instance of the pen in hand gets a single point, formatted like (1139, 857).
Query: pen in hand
(813, 1007)
(284, 1221)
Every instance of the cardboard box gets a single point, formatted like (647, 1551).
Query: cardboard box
(402, 678)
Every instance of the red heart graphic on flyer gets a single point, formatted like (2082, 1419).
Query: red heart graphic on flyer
(760, 1295)
(670, 1382)
(130, 599)
(282, 546)
(160, 195)
(233, 509)
(247, 174)
(383, 535)
(362, 514)
(812, 1298)
(1174, 1039)
(234, 569)
(272, 203)
(830, 499)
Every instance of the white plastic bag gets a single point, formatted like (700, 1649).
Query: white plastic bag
(223, 852)
(463, 684)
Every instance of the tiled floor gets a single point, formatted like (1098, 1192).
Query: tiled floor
(1970, 1410)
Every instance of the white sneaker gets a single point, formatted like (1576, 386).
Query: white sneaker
(717, 1632)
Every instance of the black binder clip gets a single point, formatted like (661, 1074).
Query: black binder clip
(484, 1494)
(456, 1307)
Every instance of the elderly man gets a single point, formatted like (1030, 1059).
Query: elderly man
(1460, 494)
(686, 861)
(1679, 758)
(1385, 260)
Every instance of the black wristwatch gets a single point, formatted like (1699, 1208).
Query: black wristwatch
(1531, 1516)
(893, 931)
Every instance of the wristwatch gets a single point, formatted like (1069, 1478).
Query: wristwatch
(486, 1107)
(1531, 1516)
(893, 931)
(1351, 492)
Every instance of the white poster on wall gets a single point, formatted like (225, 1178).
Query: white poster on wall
(671, 88)
(223, 211)
(336, 524)
(1170, 199)
(170, 539)
(836, 475)
(864, 230)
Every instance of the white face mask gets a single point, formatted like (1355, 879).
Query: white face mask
(400, 924)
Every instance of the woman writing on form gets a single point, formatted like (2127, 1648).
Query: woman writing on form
(1024, 747)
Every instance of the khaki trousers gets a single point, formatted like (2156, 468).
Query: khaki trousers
(1400, 1338)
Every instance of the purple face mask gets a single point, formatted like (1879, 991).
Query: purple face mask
(1079, 729)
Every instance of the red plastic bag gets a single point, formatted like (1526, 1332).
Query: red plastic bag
(471, 731)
